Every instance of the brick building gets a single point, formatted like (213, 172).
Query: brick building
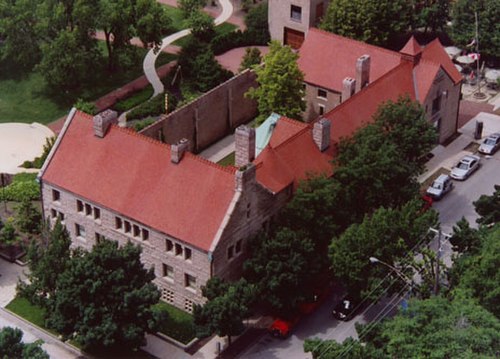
(190, 216)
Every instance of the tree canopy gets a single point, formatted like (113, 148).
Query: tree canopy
(372, 21)
(11, 346)
(431, 328)
(488, 207)
(103, 298)
(227, 306)
(280, 87)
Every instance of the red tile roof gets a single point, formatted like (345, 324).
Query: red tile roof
(358, 110)
(133, 175)
(290, 156)
(434, 52)
(425, 74)
(326, 59)
(411, 48)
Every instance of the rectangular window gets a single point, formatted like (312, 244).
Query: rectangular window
(118, 223)
(169, 245)
(189, 281)
(80, 230)
(128, 226)
(56, 195)
(136, 229)
(53, 213)
(178, 249)
(98, 237)
(61, 217)
(296, 13)
(322, 93)
(145, 234)
(97, 213)
(230, 252)
(436, 104)
(88, 209)
(237, 247)
(321, 109)
(168, 271)
(187, 254)
(79, 205)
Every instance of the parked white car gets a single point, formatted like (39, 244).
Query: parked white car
(490, 144)
(441, 185)
(467, 165)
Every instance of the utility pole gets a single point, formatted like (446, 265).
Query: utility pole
(438, 256)
(478, 94)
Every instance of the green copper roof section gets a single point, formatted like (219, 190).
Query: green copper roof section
(264, 132)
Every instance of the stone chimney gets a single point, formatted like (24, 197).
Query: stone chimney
(103, 120)
(362, 72)
(177, 151)
(245, 145)
(245, 177)
(348, 88)
(321, 134)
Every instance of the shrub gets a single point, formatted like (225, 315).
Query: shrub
(140, 125)
(225, 42)
(153, 107)
(134, 100)
(23, 187)
(38, 161)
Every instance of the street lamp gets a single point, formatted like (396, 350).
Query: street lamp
(398, 272)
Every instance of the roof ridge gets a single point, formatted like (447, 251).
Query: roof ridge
(315, 29)
(228, 169)
(368, 87)
(294, 122)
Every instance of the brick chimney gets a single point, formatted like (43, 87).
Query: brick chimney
(348, 88)
(177, 151)
(245, 177)
(245, 145)
(103, 120)
(321, 134)
(362, 72)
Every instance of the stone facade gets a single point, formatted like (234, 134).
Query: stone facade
(172, 259)
(442, 105)
(289, 20)
(210, 117)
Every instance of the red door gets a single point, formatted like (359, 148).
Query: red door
(293, 38)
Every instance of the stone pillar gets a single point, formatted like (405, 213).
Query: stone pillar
(348, 88)
(362, 72)
(245, 177)
(321, 134)
(177, 151)
(245, 145)
(103, 120)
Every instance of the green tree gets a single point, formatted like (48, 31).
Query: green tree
(488, 207)
(465, 239)
(251, 58)
(48, 258)
(11, 346)
(87, 107)
(257, 23)
(432, 14)
(20, 31)
(373, 21)
(209, 73)
(478, 272)
(283, 266)
(28, 218)
(227, 306)
(384, 158)
(103, 298)
(463, 28)
(188, 7)
(431, 328)
(202, 26)
(152, 22)
(8, 234)
(389, 235)
(280, 87)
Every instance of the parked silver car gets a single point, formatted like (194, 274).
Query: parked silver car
(490, 144)
(467, 165)
(440, 187)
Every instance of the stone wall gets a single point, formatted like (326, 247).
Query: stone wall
(155, 252)
(314, 102)
(210, 117)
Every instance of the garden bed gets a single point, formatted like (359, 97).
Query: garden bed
(179, 325)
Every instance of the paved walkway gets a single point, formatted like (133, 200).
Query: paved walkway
(231, 60)
(152, 55)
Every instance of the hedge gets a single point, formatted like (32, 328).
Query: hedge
(225, 42)
(153, 107)
(134, 100)
(23, 186)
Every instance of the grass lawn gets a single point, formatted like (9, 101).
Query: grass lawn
(179, 324)
(175, 14)
(32, 313)
(228, 160)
